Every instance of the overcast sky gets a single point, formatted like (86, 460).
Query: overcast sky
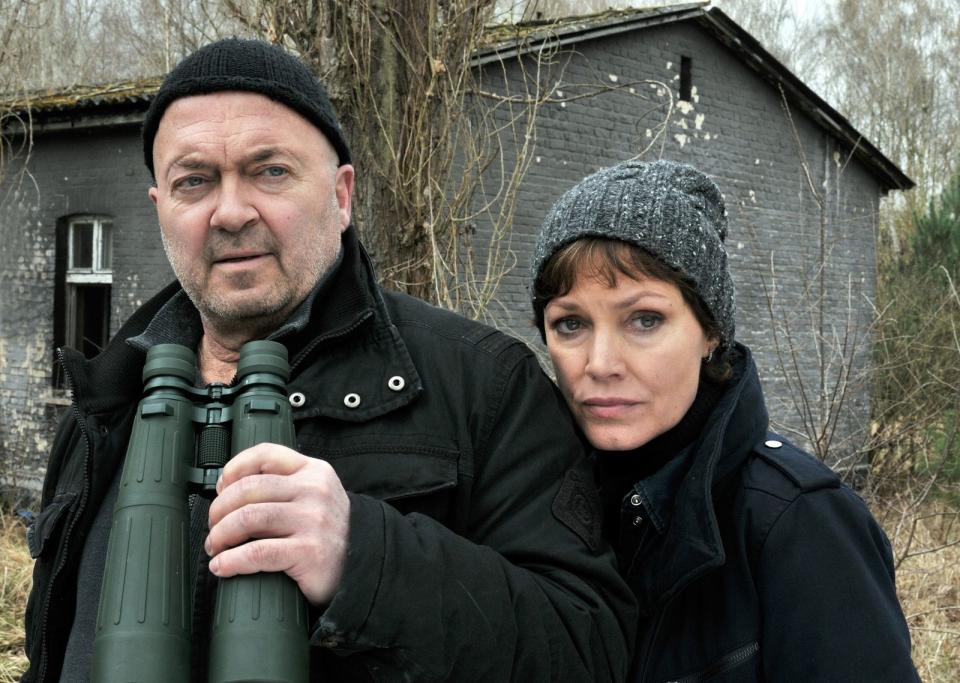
(800, 7)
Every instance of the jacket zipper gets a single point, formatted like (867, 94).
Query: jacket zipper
(726, 663)
(653, 640)
(45, 612)
(663, 610)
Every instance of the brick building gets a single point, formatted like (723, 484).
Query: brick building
(80, 250)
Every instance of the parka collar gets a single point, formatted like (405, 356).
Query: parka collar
(351, 363)
(692, 544)
(349, 325)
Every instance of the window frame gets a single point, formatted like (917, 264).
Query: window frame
(97, 273)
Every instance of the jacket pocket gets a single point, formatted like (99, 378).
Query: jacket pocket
(730, 663)
(46, 524)
(411, 473)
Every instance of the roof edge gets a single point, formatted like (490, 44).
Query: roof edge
(557, 33)
(763, 62)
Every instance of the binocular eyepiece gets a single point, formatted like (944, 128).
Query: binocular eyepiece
(182, 437)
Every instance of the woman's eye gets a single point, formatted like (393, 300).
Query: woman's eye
(567, 325)
(646, 321)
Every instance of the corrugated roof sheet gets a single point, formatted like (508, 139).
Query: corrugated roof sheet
(502, 35)
(75, 97)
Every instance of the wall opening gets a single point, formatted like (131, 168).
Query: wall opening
(84, 275)
(686, 81)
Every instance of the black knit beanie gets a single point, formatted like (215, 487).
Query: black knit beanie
(670, 210)
(252, 66)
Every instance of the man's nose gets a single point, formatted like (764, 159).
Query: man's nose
(234, 208)
(605, 356)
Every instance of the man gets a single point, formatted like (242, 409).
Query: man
(437, 515)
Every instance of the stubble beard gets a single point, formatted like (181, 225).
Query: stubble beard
(229, 310)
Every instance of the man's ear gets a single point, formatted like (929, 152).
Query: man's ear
(153, 193)
(343, 188)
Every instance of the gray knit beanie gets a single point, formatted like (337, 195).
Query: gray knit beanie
(671, 210)
(249, 66)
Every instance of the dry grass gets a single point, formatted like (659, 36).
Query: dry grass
(927, 545)
(928, 584)
(15, 571)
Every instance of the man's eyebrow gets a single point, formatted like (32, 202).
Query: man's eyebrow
(189, 163)
(266, 154)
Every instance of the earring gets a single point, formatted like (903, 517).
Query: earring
(708, 357)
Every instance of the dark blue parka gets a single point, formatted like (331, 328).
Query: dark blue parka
(757, 563)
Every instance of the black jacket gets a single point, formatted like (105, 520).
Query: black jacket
(768, 568)
(474, 549)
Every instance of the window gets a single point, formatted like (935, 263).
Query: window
(84, 274)
(686, 82)
(90, 253)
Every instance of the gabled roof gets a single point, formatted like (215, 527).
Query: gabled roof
(125, 102)
(512, 41)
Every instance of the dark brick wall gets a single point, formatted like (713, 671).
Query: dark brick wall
(735, 128)
(93, 171)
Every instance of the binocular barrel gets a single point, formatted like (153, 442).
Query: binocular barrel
(143, 628)
(143, 624)
(260, 620)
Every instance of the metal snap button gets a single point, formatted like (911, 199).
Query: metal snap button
(638, 520)
(297, 399)
(772, 443)
(351, 400)
(396, 383)
(635, 500)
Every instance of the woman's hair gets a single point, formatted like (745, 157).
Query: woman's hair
(603, 259)
(672, 211)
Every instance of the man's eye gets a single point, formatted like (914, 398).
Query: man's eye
(190, 181)
(274, 171)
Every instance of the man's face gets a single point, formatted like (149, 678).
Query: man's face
(251, 205)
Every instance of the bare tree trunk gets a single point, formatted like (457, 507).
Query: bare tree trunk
(384, 76)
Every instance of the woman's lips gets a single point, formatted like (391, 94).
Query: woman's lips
(608, 408)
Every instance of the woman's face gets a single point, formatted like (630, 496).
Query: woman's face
(627, 357)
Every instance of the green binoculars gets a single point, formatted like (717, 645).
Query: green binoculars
(182, 437)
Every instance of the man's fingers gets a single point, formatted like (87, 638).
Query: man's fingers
(260, 488)
(279, 510)
(264, 458)
(316, 573)
(258, 520)
(263, 555)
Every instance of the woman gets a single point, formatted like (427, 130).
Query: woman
(749, 559)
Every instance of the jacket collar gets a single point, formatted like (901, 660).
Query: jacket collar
(691, 544)
(347, 331)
